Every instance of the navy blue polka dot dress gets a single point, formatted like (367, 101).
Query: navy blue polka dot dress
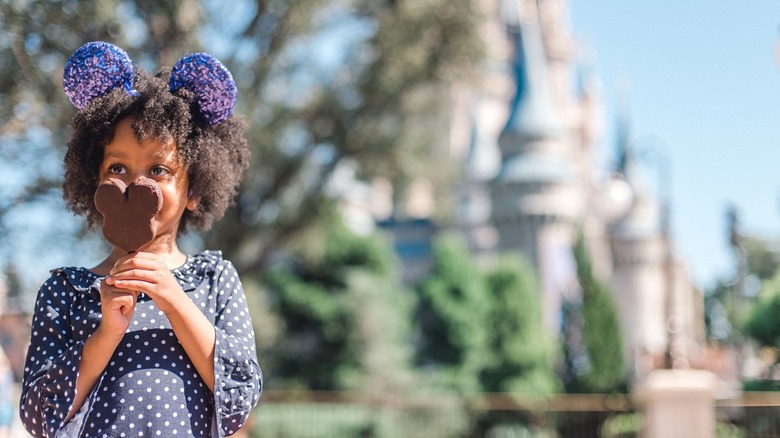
(150, 388)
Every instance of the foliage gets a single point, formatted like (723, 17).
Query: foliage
(373, 107)
(344, 316)
(440, 418)
(728, 430)
(760, 385)
(600, 333)
(726, 300)
(481, 331)
(431, 415)
(756, 261)
(520, 349)
(761, 258)
(762, 323)
(623, 425)
(452, 344)
(324, 85)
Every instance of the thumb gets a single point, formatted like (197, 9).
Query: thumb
(128, 308)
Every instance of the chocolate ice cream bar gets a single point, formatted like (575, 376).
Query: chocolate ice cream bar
(128, 211)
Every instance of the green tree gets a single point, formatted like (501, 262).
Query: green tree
(756, 260)
(601, 332)
(324, 85)
(521, 353)
(374, 107)
(762, 323)
(762, 259)
(452, 344)
(343, 312)
(731, 301)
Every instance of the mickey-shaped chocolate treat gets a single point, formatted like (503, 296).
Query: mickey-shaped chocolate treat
(128, 211)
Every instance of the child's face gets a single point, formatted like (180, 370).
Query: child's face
(126, 159)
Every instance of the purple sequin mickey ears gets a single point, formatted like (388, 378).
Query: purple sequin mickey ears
(98, 67)
(210, 81)
(95, 69)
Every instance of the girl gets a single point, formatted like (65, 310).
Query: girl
(153, 342)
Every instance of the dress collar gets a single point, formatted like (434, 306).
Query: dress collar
(190, 274)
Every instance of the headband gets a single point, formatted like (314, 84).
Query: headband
(98, 67)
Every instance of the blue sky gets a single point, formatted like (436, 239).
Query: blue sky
(703, 86)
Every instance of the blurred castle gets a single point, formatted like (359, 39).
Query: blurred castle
(527, 138)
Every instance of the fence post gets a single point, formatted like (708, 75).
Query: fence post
(679, 403)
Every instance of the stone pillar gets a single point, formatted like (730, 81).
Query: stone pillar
(679, 403)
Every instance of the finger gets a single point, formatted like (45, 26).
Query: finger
(143, 262)
(113, 293)
(125, 299)
(127, 309)
(120, 279)
(136, 286)
(109, 290)
(130, 265)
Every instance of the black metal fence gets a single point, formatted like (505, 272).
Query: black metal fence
(294, 414)
(751, 415)
(444, 415)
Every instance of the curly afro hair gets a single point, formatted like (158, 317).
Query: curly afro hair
(215, 156)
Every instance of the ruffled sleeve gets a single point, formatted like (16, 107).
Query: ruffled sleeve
(237, 374)
(53, 358)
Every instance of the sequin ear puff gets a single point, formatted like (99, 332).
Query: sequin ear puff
(95, 69)
(128, 211)
(211, 83)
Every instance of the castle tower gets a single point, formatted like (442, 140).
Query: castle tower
(548, 187)
(537, 197)
(640, 278)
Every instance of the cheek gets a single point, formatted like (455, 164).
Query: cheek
(175, 197)
(183, 187)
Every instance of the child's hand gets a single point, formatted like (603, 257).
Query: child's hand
(117, 307)
(147, 272)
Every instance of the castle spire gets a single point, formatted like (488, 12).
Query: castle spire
(533, 113)
(642, 218)
(483, 158)
(628, 163)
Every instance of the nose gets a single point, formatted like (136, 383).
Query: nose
(144, 181)
(129, 178)
(133, 176)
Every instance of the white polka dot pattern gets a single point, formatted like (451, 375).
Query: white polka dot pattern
(150, 387)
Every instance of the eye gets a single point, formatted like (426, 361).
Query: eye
(117, 169)
(159, 171)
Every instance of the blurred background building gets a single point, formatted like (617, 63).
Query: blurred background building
(526, 135)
